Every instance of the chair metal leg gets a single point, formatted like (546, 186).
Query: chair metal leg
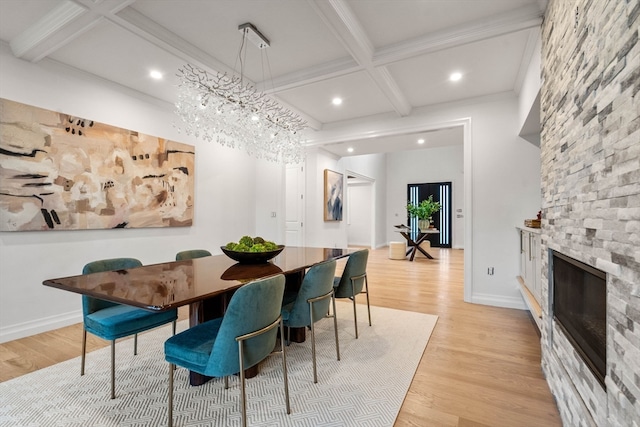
(355, 313)
(311, 301)
(243, 395)
(172, 367)
(284, 370)
(135, 344)
(226, 382)
(113, 369)
(84, 350)
(366, 286)
(335, 324)
(241, 339)
(313, 344)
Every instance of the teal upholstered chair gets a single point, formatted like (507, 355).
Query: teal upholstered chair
(353, 280)
(110, 321)
(191, 254)
(228, 345)
(311, 303)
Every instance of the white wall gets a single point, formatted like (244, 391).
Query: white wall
(322, 233)
(531, 84)
(318, 232)
(227, 198)
(373, 166)
(506, 190)
(440, 164)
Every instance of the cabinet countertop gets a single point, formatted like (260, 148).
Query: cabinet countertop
(529, 229)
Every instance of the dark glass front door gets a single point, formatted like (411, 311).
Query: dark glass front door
(441, 192)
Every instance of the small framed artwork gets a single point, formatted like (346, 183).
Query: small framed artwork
(333, 187)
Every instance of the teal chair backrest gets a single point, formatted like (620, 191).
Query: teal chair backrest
(318, 281)
(91, 305)
(191, 254)
(252, 307)
(356, 266)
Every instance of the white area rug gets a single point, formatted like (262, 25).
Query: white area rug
(365, 388)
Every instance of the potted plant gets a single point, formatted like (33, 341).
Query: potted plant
(423, 211)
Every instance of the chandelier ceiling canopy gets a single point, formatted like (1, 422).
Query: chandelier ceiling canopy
(226, 109)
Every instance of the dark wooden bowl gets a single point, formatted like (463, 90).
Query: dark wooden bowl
(252, 257)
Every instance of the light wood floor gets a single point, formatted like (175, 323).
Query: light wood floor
(480, 368)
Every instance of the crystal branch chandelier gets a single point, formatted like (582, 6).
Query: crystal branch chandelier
(222, 108)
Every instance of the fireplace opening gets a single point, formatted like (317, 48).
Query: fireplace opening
(580, 309)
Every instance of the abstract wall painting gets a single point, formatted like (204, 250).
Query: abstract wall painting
(333, 187)
(61, 172)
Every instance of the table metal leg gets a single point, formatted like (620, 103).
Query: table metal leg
(425, 253)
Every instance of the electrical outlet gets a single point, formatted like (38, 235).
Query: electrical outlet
(490, 271)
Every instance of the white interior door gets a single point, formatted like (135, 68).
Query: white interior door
(359, 215)
(360, 210)
(294, 205)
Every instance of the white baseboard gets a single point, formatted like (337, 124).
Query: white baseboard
(499, 301)
(26, 329)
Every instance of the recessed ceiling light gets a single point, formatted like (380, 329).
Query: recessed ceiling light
(350, 149)
(421, 141)
(454, 77)
(336, 101)
(155, 74)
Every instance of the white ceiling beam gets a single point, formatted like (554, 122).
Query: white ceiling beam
(517, 20)
(385, 126)
(147, 29)
(66, 22)
(45, 28)
(528, 53)
(392, 91)
(345, 26)
(315, 74)
(342, 22)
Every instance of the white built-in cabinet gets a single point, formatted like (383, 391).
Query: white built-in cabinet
(530, 267)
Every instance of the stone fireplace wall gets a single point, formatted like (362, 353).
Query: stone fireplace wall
(590, 147)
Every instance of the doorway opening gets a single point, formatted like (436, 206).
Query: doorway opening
(361, 218)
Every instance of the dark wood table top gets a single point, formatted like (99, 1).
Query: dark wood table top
(172, 284)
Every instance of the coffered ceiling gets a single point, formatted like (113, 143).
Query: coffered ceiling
(380, 56)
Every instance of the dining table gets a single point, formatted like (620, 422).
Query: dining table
(204, 284)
